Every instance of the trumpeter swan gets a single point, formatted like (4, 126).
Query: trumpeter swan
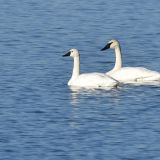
(89, 79)
(128, 74)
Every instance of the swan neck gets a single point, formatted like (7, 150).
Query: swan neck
(76, 67)
(118, 62)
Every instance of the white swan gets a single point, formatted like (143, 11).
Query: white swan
(88, 79)
(129, 74)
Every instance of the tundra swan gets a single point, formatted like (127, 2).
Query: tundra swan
(129, 74)
(88, 79)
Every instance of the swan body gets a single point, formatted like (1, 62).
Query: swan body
(92, 80)
(88, 79)
(137, 74)
(129, 74)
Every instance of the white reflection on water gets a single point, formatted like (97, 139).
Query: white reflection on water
(111, 95)
(78, 93)
(88, 101)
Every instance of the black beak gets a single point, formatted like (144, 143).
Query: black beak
(106, 47)
(67, 54)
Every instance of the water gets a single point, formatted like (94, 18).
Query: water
(40, 116)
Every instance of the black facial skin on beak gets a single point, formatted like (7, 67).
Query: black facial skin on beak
(67, 54)
(106, 47)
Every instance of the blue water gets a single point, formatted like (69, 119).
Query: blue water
(41, 118)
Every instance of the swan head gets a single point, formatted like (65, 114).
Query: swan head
(72, 53)
(111, 44)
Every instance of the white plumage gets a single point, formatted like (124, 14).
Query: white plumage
(129, 74)
(94, 80)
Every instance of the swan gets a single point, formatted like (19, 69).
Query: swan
(129, 74)
(88, 79)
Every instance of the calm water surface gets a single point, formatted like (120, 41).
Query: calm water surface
(40, 116)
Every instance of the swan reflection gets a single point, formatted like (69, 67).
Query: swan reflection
(85, 101)
(78, 94)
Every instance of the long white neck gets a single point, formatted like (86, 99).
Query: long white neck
(118, 62)
(76, 67)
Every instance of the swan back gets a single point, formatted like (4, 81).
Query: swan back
(137, 74)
